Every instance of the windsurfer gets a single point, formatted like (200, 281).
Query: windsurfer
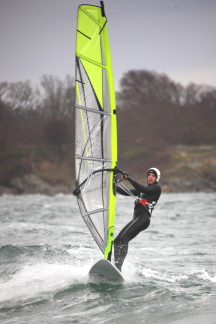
(144, 205)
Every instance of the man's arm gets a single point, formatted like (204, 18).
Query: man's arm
(143, 189)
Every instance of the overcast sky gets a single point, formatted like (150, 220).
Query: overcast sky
(175, 37)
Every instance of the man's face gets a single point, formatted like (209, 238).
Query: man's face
(151, 178)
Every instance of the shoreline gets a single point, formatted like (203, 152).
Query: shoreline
(32, 184)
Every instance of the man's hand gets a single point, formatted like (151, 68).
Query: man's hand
(124, 175)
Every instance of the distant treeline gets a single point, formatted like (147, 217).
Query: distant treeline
(153, 112)
(38, 116)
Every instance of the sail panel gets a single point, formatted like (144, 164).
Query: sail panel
(95, 125)
(90, 91)
(88, 129)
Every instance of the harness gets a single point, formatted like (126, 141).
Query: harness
(144, 202)
(149, 205)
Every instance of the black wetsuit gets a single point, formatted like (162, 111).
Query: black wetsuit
(141, 217)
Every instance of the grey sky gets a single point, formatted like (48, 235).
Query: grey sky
(176, 37)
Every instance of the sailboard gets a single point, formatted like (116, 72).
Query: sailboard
(95, 126)
(105, 268)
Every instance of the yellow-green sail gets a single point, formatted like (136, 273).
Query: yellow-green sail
(95, 125)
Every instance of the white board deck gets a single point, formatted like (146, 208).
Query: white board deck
(106, 269)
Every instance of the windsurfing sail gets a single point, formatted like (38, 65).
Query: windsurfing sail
(95, 126)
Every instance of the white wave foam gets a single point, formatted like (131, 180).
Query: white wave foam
(203, 274)
(39, 279)
(174, 277)
(163, 276)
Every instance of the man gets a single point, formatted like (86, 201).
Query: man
(144, 205)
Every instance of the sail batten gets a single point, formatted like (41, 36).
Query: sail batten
(91, 61)
(92, 110)
(95, 126)
(92, 159)
(95, 212)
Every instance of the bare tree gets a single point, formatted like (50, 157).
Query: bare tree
(141, 86)
(57, 97)
(19, 96)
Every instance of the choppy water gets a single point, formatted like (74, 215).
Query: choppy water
(46, 252)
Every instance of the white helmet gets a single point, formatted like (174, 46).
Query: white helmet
(156, 173)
